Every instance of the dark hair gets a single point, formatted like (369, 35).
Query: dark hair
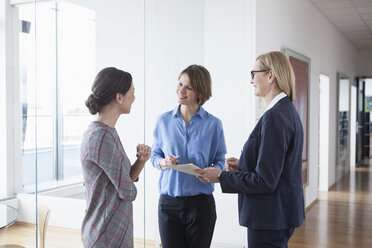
(108, 82)
(200, 81)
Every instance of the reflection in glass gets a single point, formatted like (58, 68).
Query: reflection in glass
(367, 118)
(65, 68)
(343, 127)
(75, 40)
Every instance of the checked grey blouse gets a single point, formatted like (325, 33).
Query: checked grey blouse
(109, 190)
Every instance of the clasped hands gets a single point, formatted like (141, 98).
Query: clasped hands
(210, 174)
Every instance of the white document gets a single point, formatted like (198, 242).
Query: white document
(186, 168)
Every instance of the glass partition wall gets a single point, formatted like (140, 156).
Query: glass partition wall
(76, 39)
(61, 45)
(154, 40)
(19, 107)
(343, 113)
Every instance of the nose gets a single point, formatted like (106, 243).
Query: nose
(182, 89)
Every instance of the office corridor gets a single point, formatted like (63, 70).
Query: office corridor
(343, 216)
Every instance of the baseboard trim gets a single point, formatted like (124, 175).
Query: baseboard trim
(312, 205)
(332, 187)
(147, 242)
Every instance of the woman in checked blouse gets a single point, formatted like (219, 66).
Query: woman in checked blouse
(108, 173)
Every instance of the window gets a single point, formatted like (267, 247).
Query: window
(54, 103)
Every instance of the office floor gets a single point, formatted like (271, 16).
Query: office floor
(24, 234)
(342, 218)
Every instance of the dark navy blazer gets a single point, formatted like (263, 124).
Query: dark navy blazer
(269, 180)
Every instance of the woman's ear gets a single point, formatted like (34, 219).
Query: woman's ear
(271, 76)
(118, 98)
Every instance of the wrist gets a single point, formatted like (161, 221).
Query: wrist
(162, 164)
(219, 175)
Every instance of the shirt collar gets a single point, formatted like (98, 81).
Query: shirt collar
(275, 100)
(201, 111)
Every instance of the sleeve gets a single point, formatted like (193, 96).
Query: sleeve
(275, 138)
(157, 153)
(219, 159)
(116, 166)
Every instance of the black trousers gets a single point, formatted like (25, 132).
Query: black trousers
(186, 221)
(269, 238)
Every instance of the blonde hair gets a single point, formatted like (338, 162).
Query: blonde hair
(279, 63)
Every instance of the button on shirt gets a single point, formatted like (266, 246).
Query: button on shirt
(201, 143)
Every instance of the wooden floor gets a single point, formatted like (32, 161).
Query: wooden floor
(24, 234)
(342, 218)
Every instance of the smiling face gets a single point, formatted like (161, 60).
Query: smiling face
(186, 94)
(260, 80)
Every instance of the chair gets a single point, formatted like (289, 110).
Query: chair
(43, 212)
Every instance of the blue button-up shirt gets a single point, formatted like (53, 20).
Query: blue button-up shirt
(201, 143)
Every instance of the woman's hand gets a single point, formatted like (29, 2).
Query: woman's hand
(232, 164)
(143, 152)
(209, 174)
(168, 161)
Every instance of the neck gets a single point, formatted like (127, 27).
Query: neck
(187, 111)
(271, 95)
(108, 116)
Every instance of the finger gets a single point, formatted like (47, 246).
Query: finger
(201, 172)
(174, 160)
(202, 179)
(232, 159)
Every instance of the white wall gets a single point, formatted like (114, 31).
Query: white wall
(229, 56)
(173, 42)
(353, 126)
(323, 132)
(344, 89)
(298, 25)
(368, 87)
(365, 63)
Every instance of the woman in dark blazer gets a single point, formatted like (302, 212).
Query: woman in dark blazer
(268, 174)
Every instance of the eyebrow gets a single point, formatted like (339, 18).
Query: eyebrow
(180, 81)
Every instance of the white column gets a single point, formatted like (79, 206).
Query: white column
(6, 98)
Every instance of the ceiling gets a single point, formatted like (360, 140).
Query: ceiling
(352, 17)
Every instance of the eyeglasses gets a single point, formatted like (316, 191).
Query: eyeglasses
(253, 73)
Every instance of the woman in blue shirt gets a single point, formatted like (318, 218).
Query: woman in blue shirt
(188, 134)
